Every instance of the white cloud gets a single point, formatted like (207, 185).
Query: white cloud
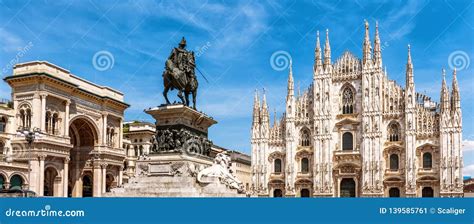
(468, 170)
(468, 145)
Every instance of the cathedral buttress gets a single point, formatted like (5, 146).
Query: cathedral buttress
(410, 130)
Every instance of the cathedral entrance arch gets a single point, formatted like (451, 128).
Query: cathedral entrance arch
(348, 188)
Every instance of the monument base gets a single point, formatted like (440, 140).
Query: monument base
(172, 175)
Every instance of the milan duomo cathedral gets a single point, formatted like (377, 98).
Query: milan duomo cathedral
(355, 133)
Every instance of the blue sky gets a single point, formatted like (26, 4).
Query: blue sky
(234, 42)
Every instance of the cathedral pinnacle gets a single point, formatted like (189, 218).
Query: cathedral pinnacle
(455, 98)
(409, 71)
(444, 93)
(318, 61)
(291, 85)
(327, 51)
(377, 48)
(366, 48)
(256, 108)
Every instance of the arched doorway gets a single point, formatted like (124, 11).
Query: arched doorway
(87, 186)
(427, 192)
(2, 181)
(394, 192)
(83, 136)
(304, 193)
(109, 181)
(50, 186)
(348, 188)
(16, 182)
(277, 193)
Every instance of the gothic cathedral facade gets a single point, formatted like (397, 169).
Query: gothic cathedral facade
(355, 133)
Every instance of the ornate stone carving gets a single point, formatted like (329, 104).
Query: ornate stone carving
(182, 140)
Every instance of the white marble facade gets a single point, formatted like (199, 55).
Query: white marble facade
(356, 133)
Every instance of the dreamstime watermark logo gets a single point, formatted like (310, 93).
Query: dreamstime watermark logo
(459, 60)
(103, 60)
(280, 60)
(20, 54)
(202, 49)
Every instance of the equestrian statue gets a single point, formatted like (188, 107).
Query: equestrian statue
(179, 74)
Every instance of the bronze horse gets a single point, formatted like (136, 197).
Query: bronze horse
(183, 80)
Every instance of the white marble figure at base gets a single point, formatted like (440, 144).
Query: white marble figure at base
(220, 169)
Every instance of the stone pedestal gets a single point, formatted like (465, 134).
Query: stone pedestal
(181, 149)
(180, 129)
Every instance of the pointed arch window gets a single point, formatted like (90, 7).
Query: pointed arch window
(347, 101)
(305, 138)
(393, 132)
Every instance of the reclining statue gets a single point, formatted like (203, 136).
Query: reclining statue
(220, 169)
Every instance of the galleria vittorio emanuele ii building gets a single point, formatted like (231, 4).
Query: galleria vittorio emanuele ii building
(66, 130)
(356, 133)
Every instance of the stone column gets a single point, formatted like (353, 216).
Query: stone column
(41, 174)
(66, 118)
(97, 180)
(43, 111)
(120, 177)
(104, 176)
(120, 134)
(33, 175)
(104, 128)
(66, 176)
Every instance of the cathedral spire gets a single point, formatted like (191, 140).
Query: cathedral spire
(367, 48)
(264, 112)
(291, 84)
(256, 109)
(274, 117)
(377, 48)
(327, 51)
(444, 94)
(317, 61)
(455, 98)
(409, 71)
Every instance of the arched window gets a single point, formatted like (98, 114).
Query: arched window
(54, 124)
(347, 142)
(277, 166)
(393, 132)
(48, 122)
(347, 101)
(277, 193)
(304, 165)
(22, 118)
(304, 193)
(427, 160)
(3, 124)
(394, 162)
(394, 192)
(16, 182)
(28, 118)
(427, 192)
(305, 137)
